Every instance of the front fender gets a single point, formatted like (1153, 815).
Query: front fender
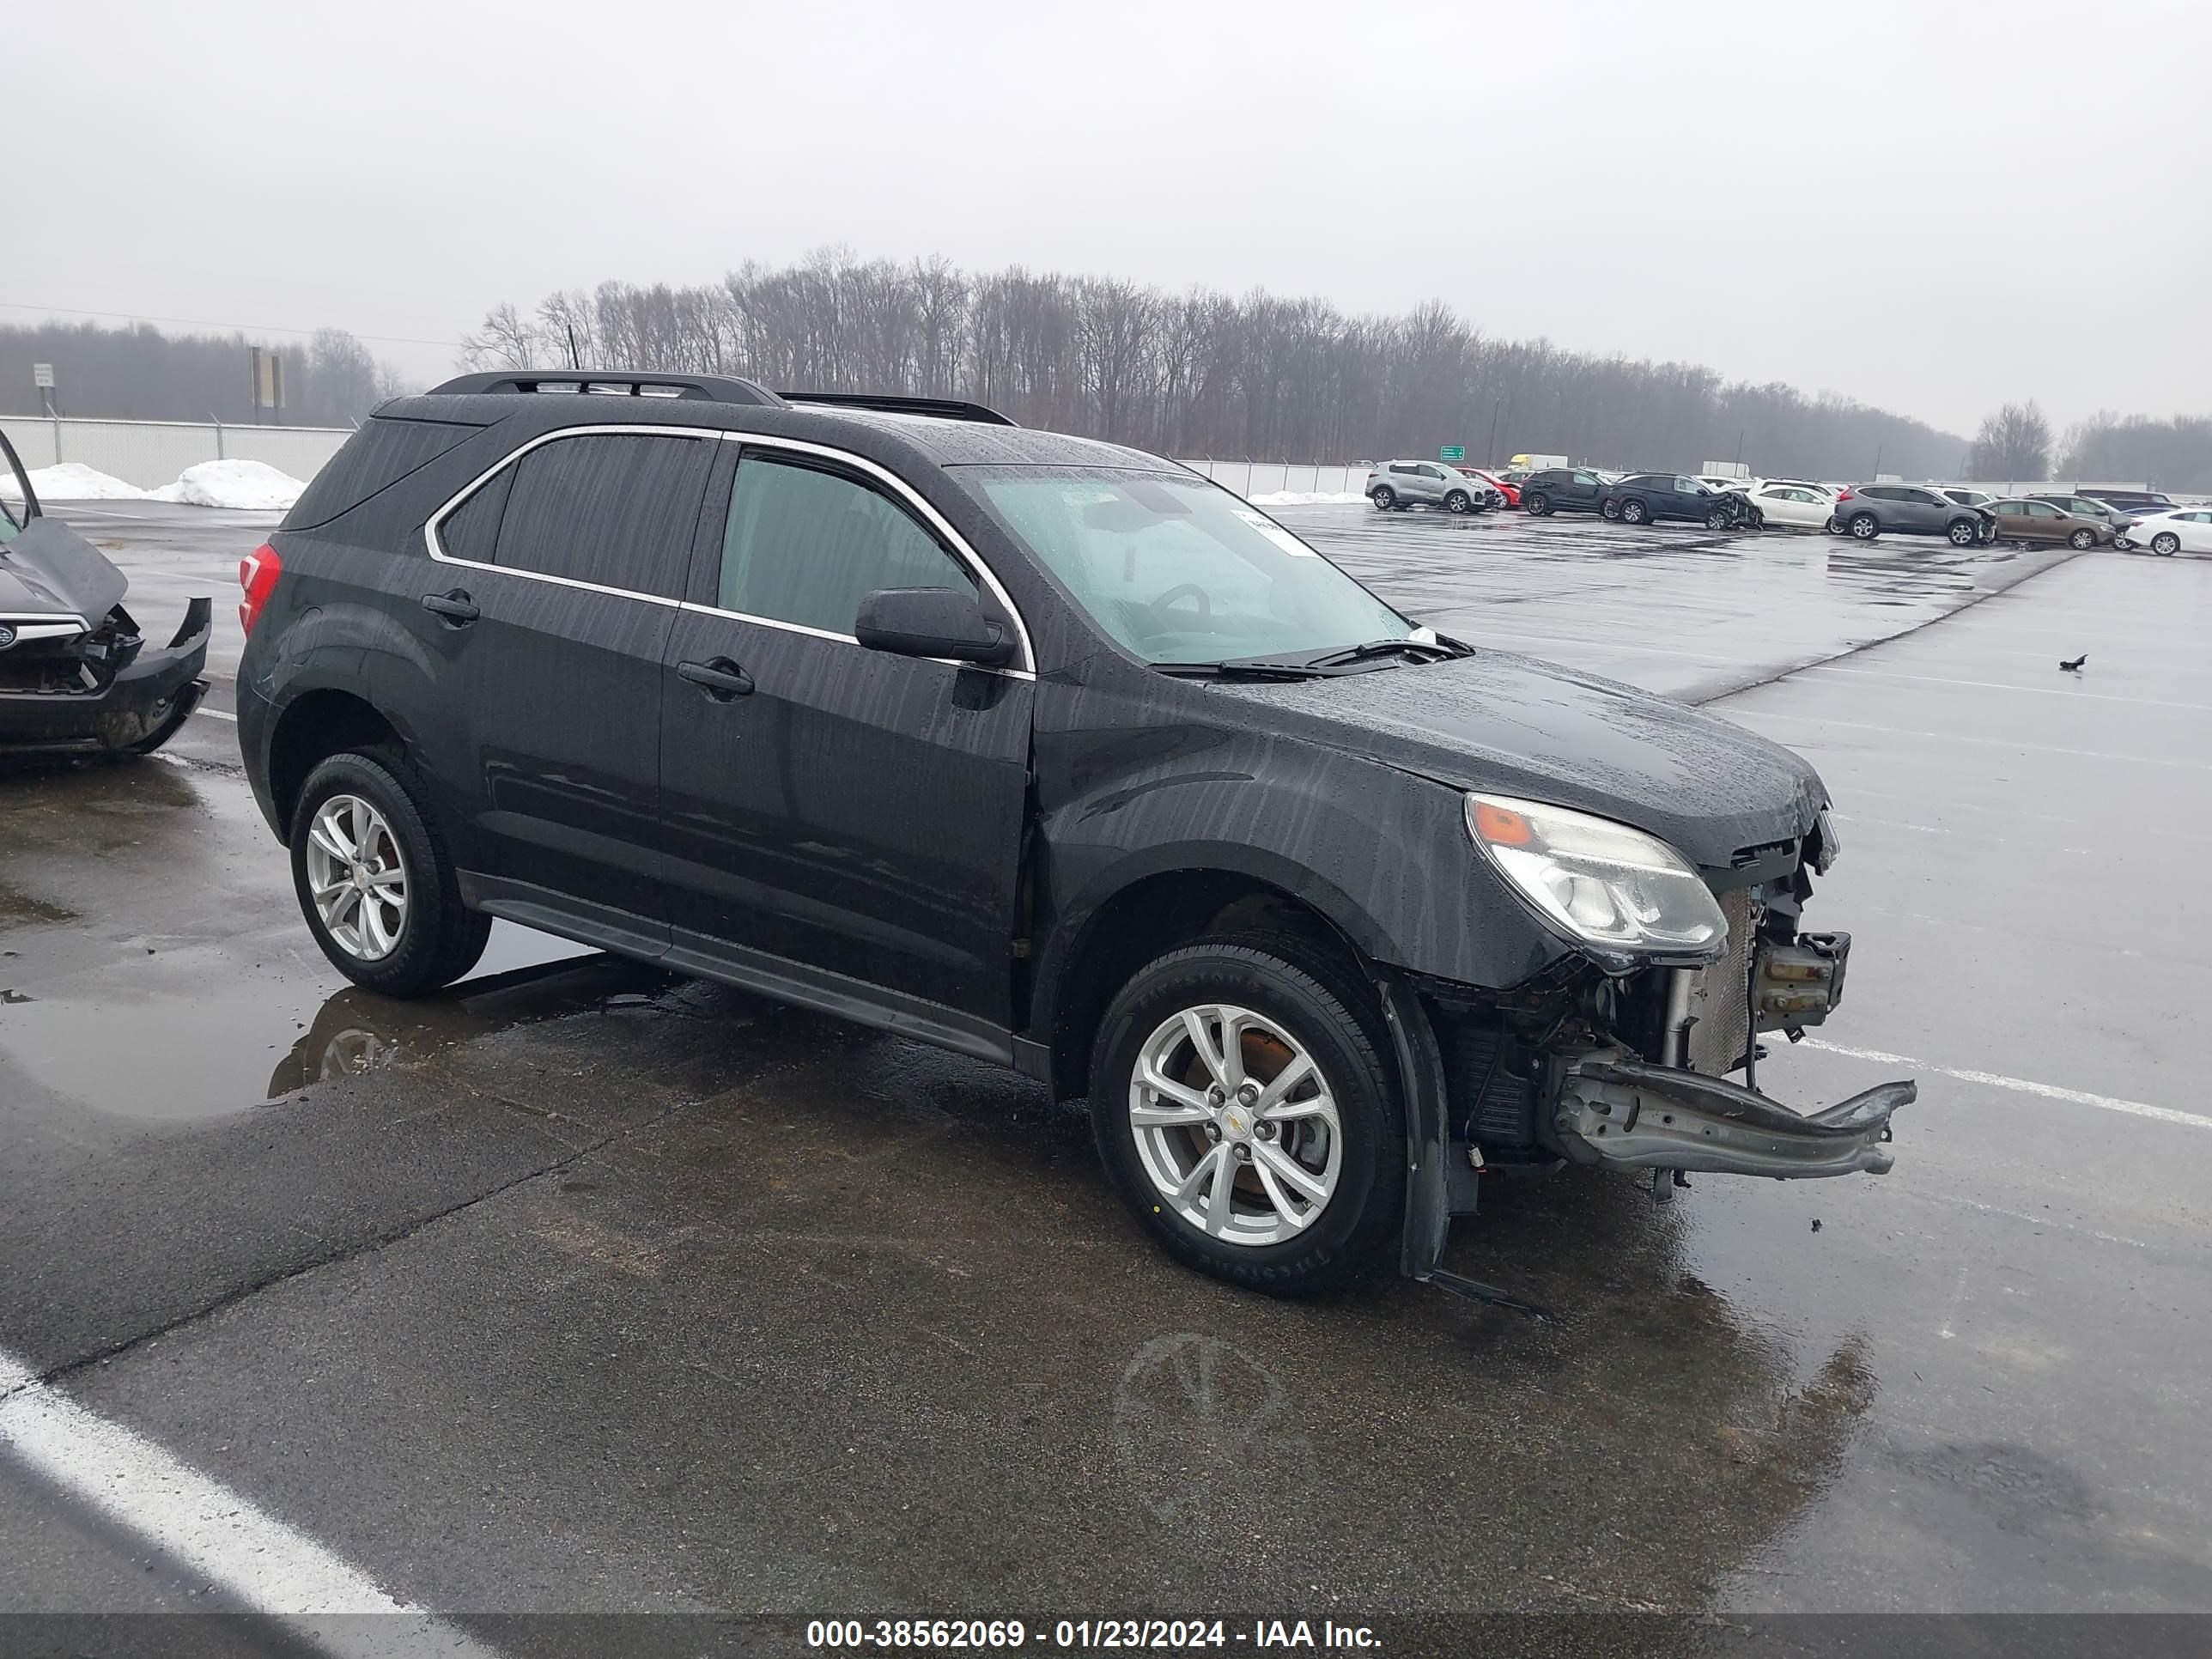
(1381, 853)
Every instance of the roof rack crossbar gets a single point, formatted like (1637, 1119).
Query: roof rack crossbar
(947, 409)
(619, 382)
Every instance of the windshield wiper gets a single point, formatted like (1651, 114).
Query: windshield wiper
(1249, 668)
(1413, 650)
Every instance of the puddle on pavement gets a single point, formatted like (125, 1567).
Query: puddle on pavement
(196, 1033)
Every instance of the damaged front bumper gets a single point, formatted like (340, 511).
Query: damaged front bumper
(1611, 1108)
(133, 711)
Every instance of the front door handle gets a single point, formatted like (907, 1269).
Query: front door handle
(454, 606)
(718, 677)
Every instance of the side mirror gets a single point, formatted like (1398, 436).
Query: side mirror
(930, 622)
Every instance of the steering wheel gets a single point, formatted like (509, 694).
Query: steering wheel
(1159, 607)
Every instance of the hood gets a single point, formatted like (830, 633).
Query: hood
(49, 570)
(1514, 726)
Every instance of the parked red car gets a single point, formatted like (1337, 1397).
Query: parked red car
(1511, 492)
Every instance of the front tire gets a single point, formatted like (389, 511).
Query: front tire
(2082, 540)
(1963, 533)
(1458, 502)
(1609, 511)
(1719, 519)
(1243, 1105)
(375, 883)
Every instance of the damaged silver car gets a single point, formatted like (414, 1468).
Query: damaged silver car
(77, 675)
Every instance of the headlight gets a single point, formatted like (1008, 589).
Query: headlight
(1597, 880)
(1832, 844)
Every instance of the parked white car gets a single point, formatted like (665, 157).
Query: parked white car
(2185, 530)
(1802, 506)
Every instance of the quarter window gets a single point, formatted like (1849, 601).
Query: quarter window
(471, 530)
(614, 509)
(805, 544)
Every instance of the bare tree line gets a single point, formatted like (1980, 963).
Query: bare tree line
(2169, 454)
(139, 373)
(1199, 374)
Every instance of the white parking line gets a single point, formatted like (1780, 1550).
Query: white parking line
(217, 714)
(267, 1567)
(2024, 1086)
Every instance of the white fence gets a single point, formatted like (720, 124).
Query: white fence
(151, 453)
(1250, 478)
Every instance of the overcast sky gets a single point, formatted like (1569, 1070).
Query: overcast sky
(1933, 206)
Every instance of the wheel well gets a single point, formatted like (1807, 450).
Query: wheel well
(1149, 918)
(312, 728)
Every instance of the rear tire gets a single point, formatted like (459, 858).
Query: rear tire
(437, 939)
(1384, 498)
(2166, 544)
(1864, 526)
(1633, 511)
(1538, 506)
(1294, 993)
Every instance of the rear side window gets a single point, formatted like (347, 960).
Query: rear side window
(613, 509)
(804, 545)
(379, 454)
(472, 531)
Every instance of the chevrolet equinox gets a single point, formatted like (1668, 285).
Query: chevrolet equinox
(1052, 753)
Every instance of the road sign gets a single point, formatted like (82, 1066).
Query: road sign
(42, 375)
(1452, 452)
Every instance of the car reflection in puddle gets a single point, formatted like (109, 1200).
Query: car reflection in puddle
(357, 1031)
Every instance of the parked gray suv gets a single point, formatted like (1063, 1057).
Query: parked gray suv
(1865, 511)
(1401, 484)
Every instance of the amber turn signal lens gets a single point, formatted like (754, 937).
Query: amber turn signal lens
(1501, 827)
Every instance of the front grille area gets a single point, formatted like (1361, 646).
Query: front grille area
(1720, 995)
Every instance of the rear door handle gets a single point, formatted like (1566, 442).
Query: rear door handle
(718, 677)
(455, 605)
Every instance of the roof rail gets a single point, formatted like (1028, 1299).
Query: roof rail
(945, 409)
(618, 382)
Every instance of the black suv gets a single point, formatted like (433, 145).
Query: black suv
(1046, 751)
(1577, 489)
(1647, 497)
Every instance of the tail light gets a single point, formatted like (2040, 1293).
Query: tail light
(257, 574)
(1842, 495)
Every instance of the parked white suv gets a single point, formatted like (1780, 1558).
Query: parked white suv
(1400, 484)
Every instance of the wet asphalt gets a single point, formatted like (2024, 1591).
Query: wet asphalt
(585, 1289)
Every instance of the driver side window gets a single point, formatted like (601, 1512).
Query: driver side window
(805, 544)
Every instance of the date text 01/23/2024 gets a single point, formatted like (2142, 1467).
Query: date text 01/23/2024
(953, 1634)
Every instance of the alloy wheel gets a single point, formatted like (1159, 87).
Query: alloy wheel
(357, 878)
(1234, 1125)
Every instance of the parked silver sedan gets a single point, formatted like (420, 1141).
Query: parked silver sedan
(1396, 485)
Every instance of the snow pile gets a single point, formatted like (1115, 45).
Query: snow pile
(71, 481)
(240, 484)
(1306, 498)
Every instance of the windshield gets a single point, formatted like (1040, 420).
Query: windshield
(1178, 570)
